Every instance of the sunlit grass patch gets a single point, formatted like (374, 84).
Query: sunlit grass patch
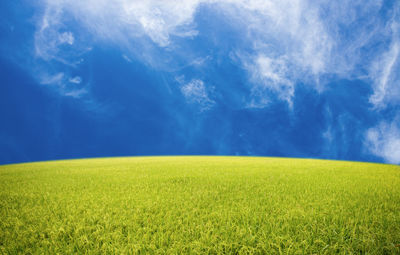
(200, 205)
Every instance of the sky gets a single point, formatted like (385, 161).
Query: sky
(281, 78)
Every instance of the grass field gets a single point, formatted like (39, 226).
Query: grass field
(167, 205)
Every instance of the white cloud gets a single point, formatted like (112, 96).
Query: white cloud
(59, 82)
(312, 40)
(200, 61)
(127, 59)
(287, 28)
(270, 75)
(286, 41)
(53, 43)
(48, 79)
(66, 37)
(75, 80)
(129, 25)
(195, 92)
(125, 20)
(385, 73)
(77, 93)
(384, 141)
(289, 43)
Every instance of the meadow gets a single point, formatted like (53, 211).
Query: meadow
(199, 205)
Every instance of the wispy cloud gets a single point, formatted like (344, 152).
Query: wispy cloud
(384, 141)
(284, 42)
(121, 20)
(195, 92)
(77, 93)
(54, 41)
(289, 43)
(270, 76)
(288, 29)
(68, 30)
(127, 59)
(64, 84)
(66, 37)
(56, 79)
(75, 80)
(308, 41)
(385, 73)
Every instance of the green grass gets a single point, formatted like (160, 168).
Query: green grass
(167, 205)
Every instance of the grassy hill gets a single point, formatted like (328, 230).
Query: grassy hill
(200, 205)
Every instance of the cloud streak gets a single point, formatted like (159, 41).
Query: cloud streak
(64, 85)
(196, 93)
(301, 40)
(75, 80)
(384, 73)
(384, 141)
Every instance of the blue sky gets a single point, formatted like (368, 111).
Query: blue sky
(287, 78)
